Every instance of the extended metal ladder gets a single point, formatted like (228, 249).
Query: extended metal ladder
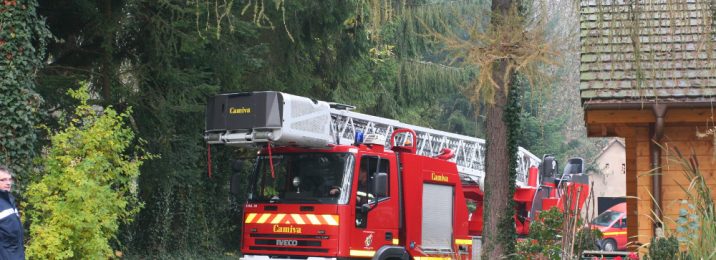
(245, 119)
(469, 151)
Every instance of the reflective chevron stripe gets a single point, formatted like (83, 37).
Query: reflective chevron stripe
(314, 220)
(250, 217)
(263, 218)
(330, 220)
(614, 233)
(278, 218)
(362, 253)
(294, 219)
(298, 220)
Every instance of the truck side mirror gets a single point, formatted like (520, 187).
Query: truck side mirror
(381, 185)
(548, 168)
(365, 208)
(235, 184)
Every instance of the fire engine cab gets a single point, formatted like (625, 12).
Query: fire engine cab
(330, 183)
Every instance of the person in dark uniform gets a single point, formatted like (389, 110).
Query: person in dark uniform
(11, 246)
(364, 194)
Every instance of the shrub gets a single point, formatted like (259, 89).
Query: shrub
(663, 248)
(544, 240)
(587, 239)
(87, 188)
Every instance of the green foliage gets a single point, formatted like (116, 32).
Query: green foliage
(541, 136)
(543, 241)
(548, 126)
(423, 80)
(687, 223)
(89, 46)
(186, 256)
(22, 46)
(88, 186)
(663, 248)
(176, 69)
(546, 237)
(586, 239)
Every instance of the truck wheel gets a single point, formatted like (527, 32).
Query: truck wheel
(609, 245)
(391, 253)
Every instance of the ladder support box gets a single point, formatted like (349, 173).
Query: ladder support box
(255, 118)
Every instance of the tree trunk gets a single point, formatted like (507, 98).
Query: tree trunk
(106, 63)
(497, 160)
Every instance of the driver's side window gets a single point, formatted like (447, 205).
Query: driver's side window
(365, 195)
(369, 166)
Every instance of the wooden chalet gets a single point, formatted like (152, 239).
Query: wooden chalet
(648, 75)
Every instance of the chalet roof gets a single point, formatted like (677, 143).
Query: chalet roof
(612, 142)
(673, 42)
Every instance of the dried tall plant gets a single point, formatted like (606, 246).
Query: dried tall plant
(700, 238)
(694, 228)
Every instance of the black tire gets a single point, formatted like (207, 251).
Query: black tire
(391, 253)
(609, 245)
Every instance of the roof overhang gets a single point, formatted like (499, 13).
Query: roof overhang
(612, 119)
(618, 104)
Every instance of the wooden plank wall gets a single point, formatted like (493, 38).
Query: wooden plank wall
(630, 141)
(644, 186)
(680, 132)
(684, 138)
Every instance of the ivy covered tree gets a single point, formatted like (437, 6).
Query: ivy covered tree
(502, 47)
(22, 46)
(88, 185)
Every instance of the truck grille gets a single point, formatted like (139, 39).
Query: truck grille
(288, 242)
(322, 250)
(320, 237)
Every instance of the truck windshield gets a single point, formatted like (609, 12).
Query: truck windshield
(322, 178)
(606, 218)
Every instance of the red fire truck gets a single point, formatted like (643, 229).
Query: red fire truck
(612, 223)
(330, 183)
